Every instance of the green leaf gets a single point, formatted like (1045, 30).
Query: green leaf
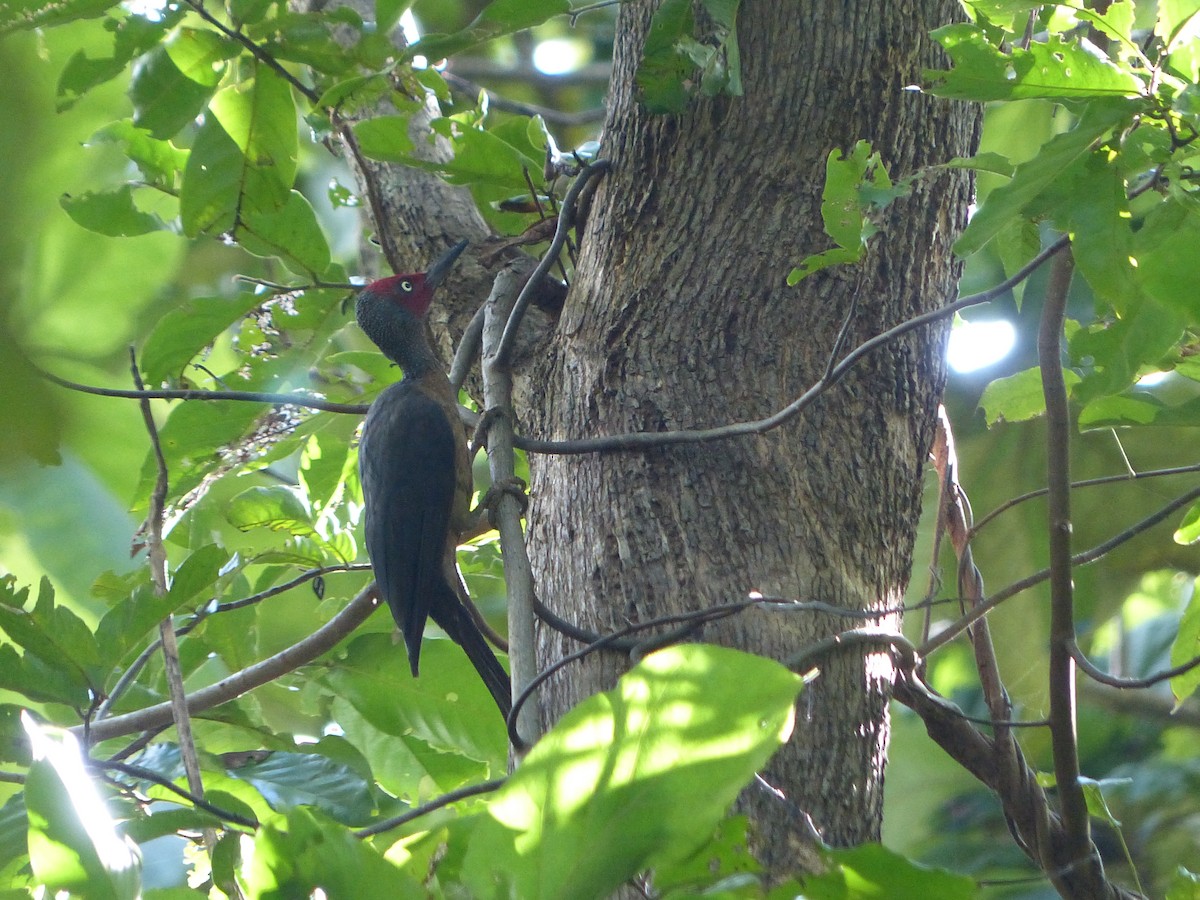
(172, 83)
(290, 233)
(385, 138)
(288, 780)
(18, 15)
(856, 185)
(1185, 885)
(128, 623)
(662, 74)
(132, 36)
(1102, 238)
(245, 156)
(197, 572)
(1033, 177)
(277, 508)
(1188, 531)
(447, 707)
(73, 842)
(51, 637)
(498, 18)
(160, 162)
(1164, 250)
(1174, 16)
(638, 775)
(674, 62)
(485, 158)
(212, 182)
(302, 853)
(1120, 410)
(1118, 352)
(388, 13)
(193, 438)
(1002, 12)
(1057, 69)
(1186, 645)
(870, 871)
(111, 212)
(184, 331)
(1018, 397)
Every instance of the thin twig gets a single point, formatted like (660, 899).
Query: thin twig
(1098, 674)
(256, 51)
(196, 800)
(1079, 559)
(357, 409)
(566, 220)
(643, 439)
(172, 669)
(470, 790)
(307, 575)
(1088, 482)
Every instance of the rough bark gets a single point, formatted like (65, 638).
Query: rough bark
(679, 317)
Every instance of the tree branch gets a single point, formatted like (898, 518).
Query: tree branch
(518, 573)
(256, 51)
(304, 651)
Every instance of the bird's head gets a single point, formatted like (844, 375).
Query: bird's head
(392, 313)
(412, 292)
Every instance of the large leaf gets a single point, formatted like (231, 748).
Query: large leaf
(871, 871)
(447, 707)
(289, 780)
(291, 233)
(171, 84)
(640, 774)
(500, 17)
(1017, 397)
(73, 841)
(111, 212)
(184, 331)
(1036, 175)
(1165, 250)
(59, 654)
(245, 155)
(1057, 69)
(302, 853)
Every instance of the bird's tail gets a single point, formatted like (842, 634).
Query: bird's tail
(456, 621)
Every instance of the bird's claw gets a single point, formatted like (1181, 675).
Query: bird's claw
(513, 487)
(483, 426)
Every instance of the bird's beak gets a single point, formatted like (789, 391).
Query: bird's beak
(436, 272)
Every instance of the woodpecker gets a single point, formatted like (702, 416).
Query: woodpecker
(416, 476)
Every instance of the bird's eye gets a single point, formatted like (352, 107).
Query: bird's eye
(406, 285)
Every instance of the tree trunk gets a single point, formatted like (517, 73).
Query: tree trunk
(679, 317)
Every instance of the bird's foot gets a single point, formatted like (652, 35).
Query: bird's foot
(483, 426)
(512, 487)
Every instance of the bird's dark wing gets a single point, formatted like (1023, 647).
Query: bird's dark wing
(406, 463)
